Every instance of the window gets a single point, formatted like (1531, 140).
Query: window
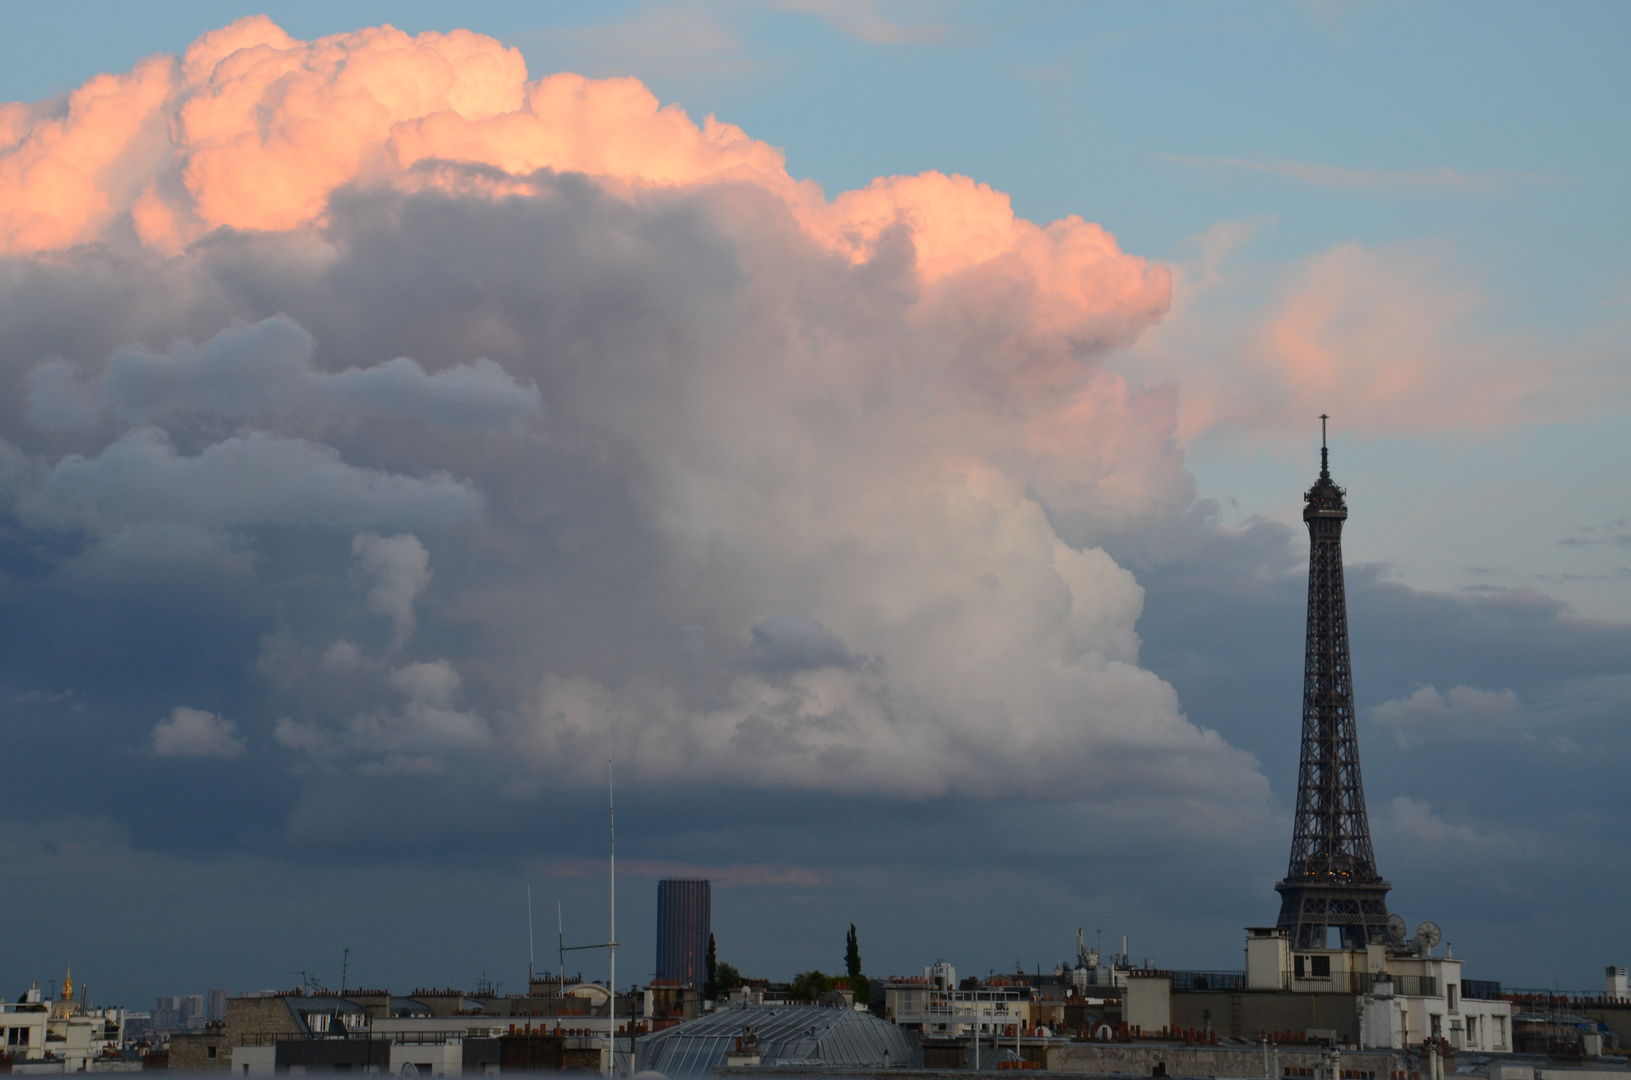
(209, 1051)
(1452, 991)
(1322, 967)
(1301, 974)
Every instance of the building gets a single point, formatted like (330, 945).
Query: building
(1390, 995)
(1336, 966)
(167, 1014)
(684, 924)
(138, 1025)
(440, 1032)
(929, 1007)
(66, 1034)
(786, 1037)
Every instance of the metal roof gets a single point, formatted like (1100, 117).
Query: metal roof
(806, 1035)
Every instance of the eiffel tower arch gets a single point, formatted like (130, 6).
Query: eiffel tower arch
(1332, 881)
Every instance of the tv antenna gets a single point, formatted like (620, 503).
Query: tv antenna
(1427, 935)
(345, 967)
(611, 945)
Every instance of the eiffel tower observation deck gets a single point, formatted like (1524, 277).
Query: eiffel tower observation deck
(1332, 880)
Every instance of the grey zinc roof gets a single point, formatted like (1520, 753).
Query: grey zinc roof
(808, 1035)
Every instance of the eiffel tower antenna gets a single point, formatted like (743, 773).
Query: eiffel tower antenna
(1332, 880)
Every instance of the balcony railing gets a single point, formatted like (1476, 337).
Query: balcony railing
(1411, 985)
(1204, 981)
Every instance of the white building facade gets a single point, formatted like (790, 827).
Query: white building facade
(1405, 994)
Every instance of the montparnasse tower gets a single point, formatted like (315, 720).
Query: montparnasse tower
(1332, 880)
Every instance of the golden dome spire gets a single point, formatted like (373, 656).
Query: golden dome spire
(65, 1004)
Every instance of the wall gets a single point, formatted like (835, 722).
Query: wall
(1614, 1015)
(1267, 960)
(200, 1051)
(1148, 1004)
(1243, 1016)
(1213, 1061)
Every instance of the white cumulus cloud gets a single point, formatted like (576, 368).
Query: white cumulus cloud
(1424, 833)
(194, 733)
(398, 570)
(827, 491)
(1426, 709)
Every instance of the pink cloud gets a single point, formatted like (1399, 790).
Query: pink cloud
(254, 129)
(1398, 338)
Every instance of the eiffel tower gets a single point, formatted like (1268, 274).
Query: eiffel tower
(1332, 880)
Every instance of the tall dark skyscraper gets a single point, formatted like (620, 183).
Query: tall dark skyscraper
(1332, 880)
(684, 922)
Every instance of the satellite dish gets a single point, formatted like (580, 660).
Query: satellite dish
(1428, 935)
(1395, 929)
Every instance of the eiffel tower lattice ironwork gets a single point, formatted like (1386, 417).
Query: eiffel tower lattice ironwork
(1332, 881)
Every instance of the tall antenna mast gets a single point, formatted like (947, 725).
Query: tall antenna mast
(611, 1033)
(609, 1066)
(531, 956)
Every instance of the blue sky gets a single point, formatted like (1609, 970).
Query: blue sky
(1435, 190)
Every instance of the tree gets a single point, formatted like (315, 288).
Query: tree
(710, 985)
(810, 985)
(859, 984)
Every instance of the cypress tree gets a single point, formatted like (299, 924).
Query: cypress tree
(852, 955)
(710, 988)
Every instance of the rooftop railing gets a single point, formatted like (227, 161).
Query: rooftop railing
(1223, 981)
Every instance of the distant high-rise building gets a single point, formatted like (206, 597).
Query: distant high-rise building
(192, 1012)
(684, 922)
(167, 1013)
(138, 1024)
(215, 1009)
(1332, 883)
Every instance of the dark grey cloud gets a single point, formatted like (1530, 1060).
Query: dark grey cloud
(265, 370)
(795, 642)
(245, 481)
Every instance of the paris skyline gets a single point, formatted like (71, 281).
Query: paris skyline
(898, 539)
